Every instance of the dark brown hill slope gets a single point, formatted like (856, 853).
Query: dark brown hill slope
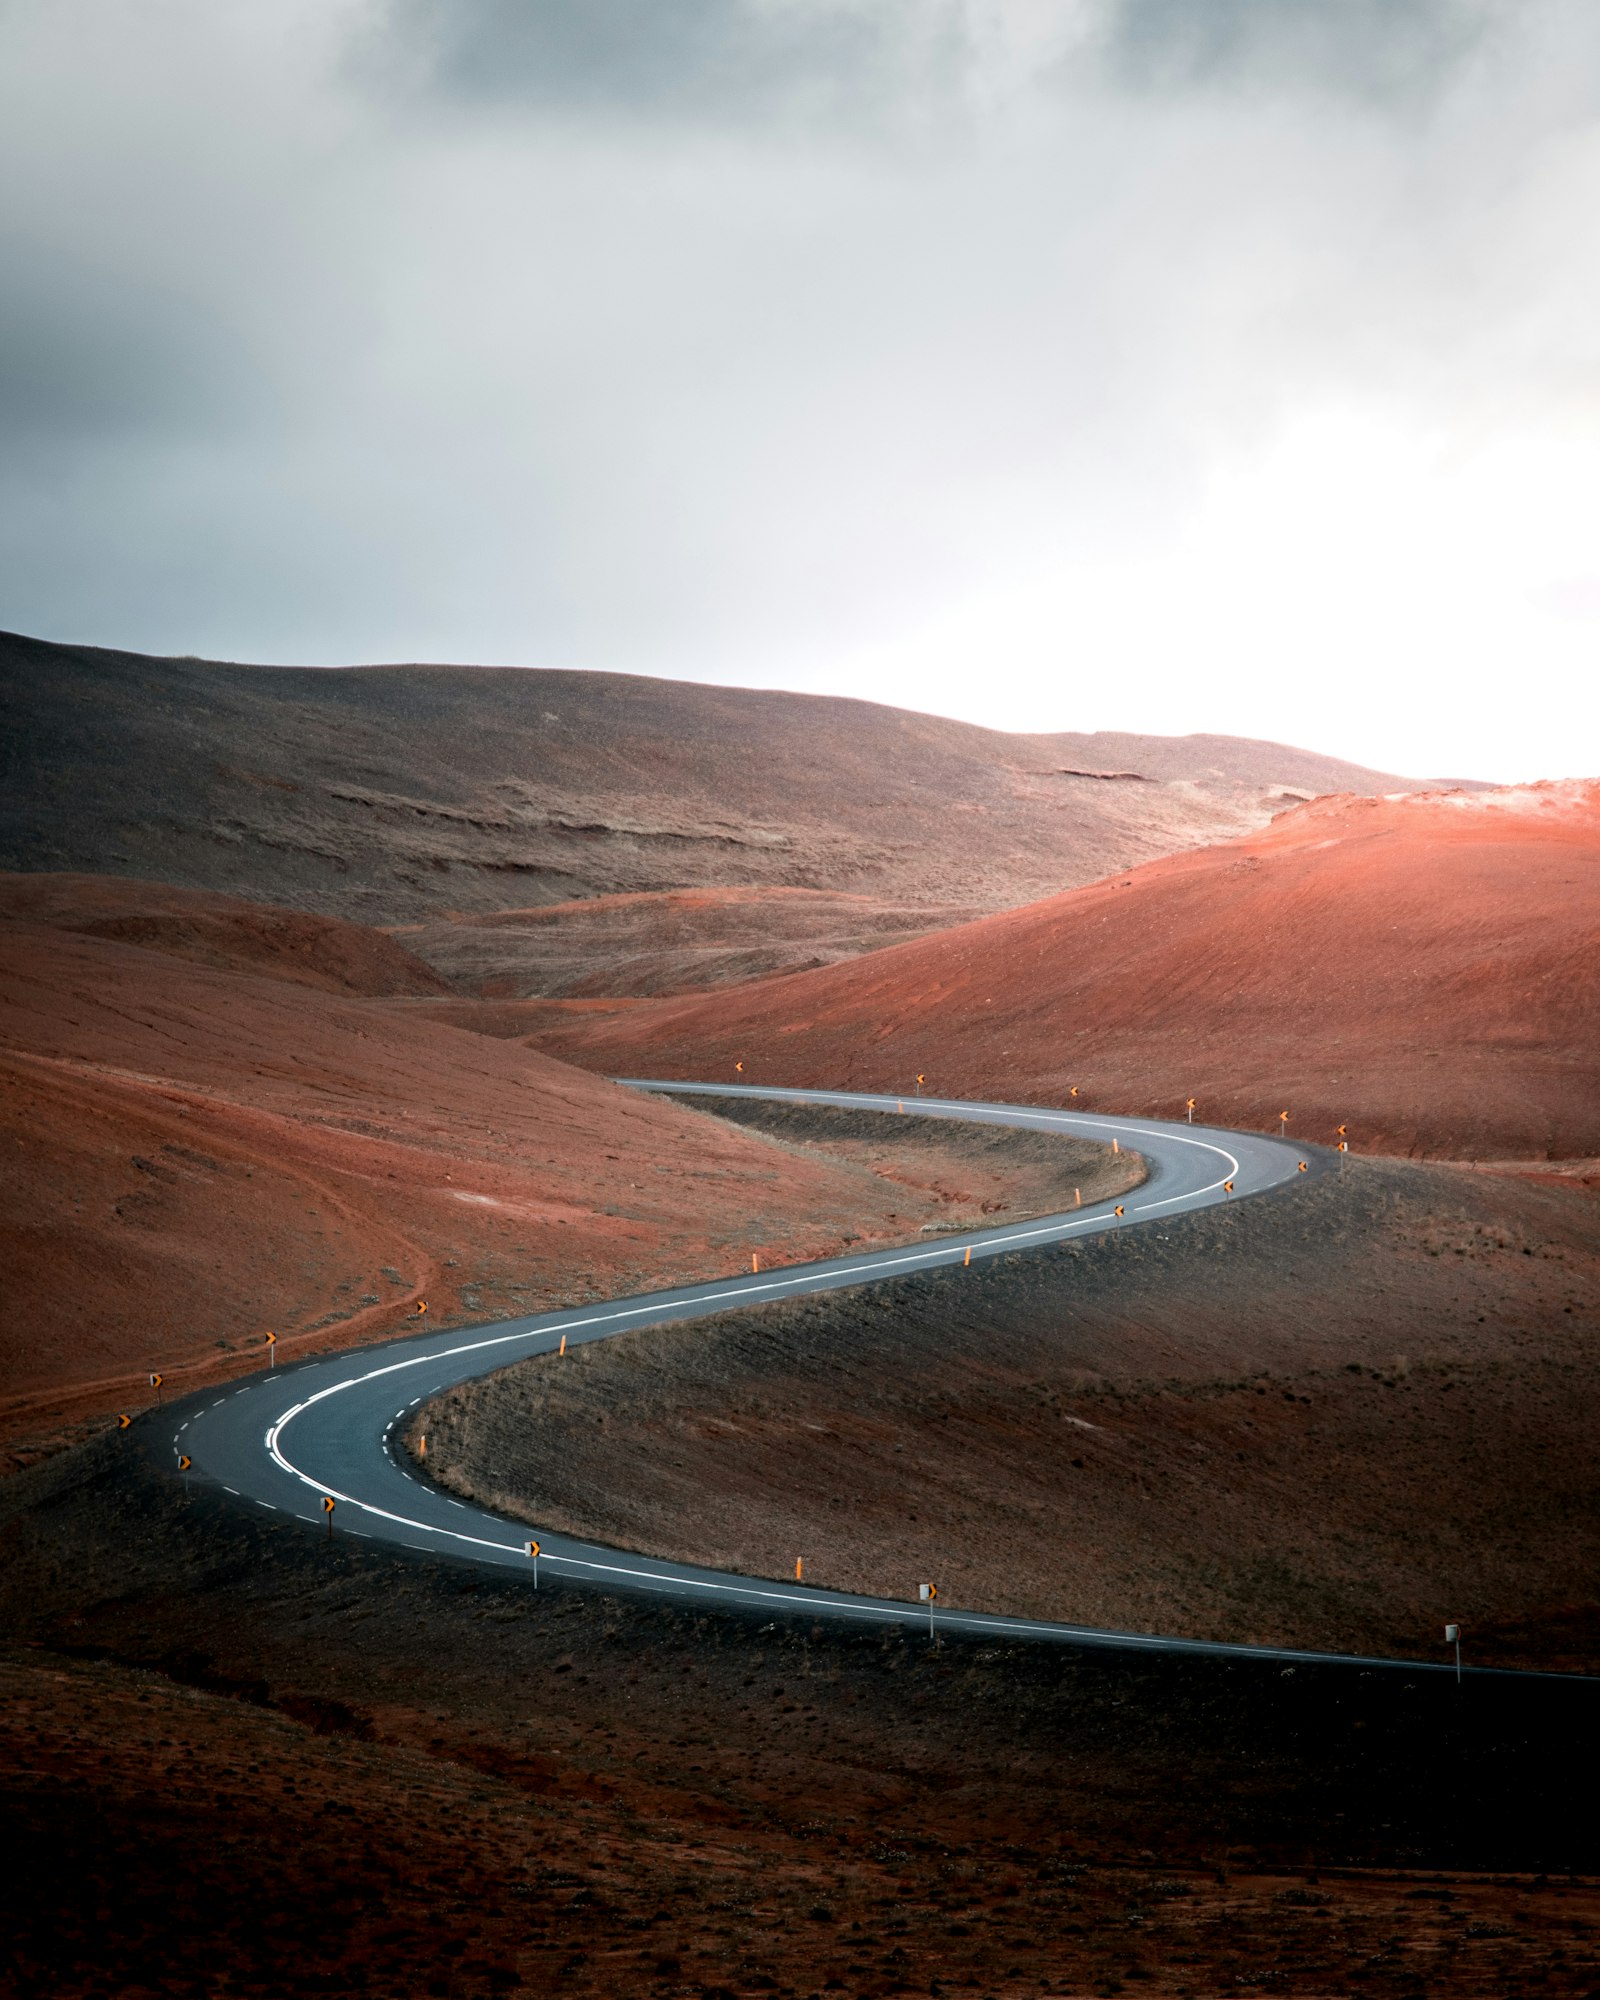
(1425, 969)
(393, 794)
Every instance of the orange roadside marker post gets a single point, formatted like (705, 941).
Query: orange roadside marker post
(926, 1593)
(272, 1350)
(422, 1444)
(327, 1508)
(533, 1550)
(755, 1261)
(1115, 1147)
(967, 1259)
(1077, 1197)
(155, 1383)
(563, 1347)
(799, 1569)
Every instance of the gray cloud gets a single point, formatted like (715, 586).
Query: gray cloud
(87, 354)
(741, 62)
(592, 334)
(1385, 52)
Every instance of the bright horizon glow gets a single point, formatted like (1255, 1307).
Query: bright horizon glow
(1345, 544)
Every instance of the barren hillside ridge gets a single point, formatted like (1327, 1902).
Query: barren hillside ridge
(1424, 969)
(408, 794)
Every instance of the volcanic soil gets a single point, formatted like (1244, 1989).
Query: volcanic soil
(193, 1157)
(239, 1759)
(1335, 1418)
(1423, 969)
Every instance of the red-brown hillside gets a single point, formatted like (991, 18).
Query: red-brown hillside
(189, 1157)
(225, 932)
(1425, 969)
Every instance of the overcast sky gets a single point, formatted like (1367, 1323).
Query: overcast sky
(1144, 364)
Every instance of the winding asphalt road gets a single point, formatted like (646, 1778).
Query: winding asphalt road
(327, 1428)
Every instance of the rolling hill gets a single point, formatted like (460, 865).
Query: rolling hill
(411, 794)
(1425, 969)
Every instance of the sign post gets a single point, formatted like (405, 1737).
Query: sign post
(926, 1593)
(921, 1080)
(327, 1508)
(1452, 1637)
(1189, 1107)
(272, 1350)
(533, 1550)
(155, 1383)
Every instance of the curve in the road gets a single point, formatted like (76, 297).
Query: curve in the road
(326, 1428)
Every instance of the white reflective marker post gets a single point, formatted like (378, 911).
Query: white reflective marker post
(1452, 1637)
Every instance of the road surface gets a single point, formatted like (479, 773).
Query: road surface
(329, 1428)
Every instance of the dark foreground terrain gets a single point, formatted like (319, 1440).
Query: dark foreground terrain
(242, 1761)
